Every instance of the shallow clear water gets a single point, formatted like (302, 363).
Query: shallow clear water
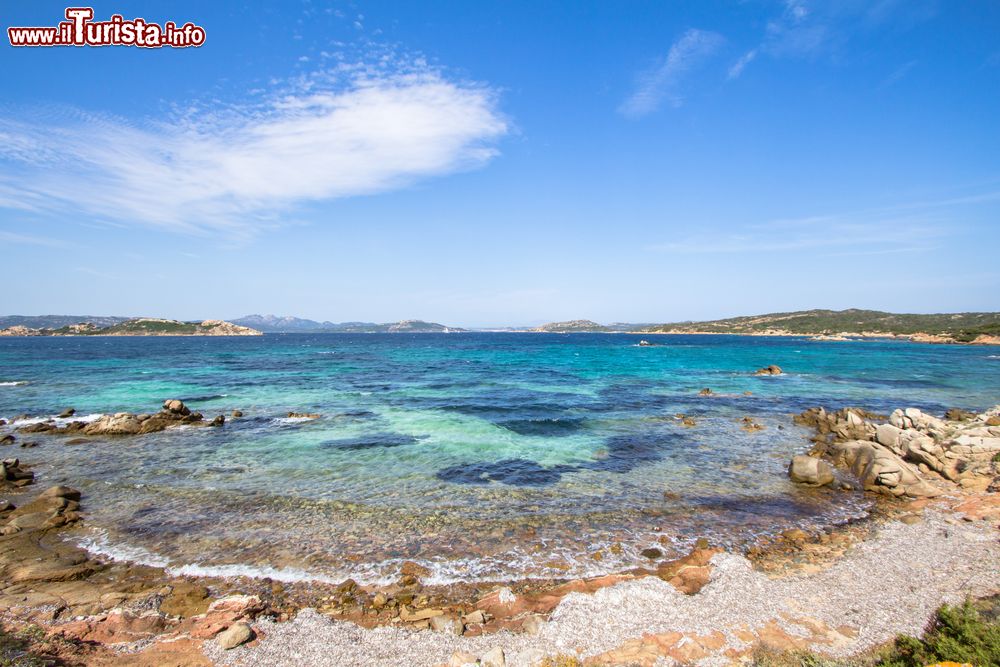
(482, 455)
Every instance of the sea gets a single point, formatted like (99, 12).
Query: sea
(481, 456)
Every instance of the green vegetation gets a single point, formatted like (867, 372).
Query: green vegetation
(966, 634)
(961, 634)
(961, 326)
(573, 326)
(966, 335)
(152, 326)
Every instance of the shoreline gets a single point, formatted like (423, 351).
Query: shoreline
(840, 337)
(77, 596)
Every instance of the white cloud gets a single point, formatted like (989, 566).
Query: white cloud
(693, 47)
(354, 131)
(743, 61)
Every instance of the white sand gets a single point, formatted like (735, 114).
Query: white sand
(888, 585)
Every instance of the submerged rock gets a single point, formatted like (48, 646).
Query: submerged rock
(303, 415)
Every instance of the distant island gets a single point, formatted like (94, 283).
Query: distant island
(139, 326)
(284, 324)
(573, 326)
(975, 328)
(978, 328)
(851, 324)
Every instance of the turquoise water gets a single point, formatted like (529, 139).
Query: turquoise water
(481, 455)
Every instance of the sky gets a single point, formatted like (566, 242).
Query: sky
(506, 163)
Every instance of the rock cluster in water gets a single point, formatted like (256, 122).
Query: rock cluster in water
(173, 413)
(902, 455)
(13, 474)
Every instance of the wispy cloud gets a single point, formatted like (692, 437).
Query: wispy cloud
(744, 60)
(26, 239)
(807, 29)
(898, 74)
(797, 32)
(660, 82)
(908, 227)
(353, 130)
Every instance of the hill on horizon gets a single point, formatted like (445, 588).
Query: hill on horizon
(289, 324)
(961, 326)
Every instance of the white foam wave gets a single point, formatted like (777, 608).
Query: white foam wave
(98, 544)
(292, 420)
(286, 575)
(60, 421)
(993, 356)
(442, 572)
(15, 383)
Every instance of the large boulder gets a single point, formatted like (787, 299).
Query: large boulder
(122, 423)
(811, 471)
(880, 470)
(175, 406)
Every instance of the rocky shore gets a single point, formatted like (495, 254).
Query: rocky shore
(932, 539)
(141, 326)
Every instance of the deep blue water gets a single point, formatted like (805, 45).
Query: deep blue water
(484, 455)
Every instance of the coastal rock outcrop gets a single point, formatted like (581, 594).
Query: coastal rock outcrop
(896, 455)
(846, 424)
(52, 508)
(879, 470)
(769, 370)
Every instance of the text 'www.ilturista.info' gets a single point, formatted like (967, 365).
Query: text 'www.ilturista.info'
(81, 30)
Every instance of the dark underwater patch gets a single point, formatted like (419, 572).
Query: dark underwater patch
(356, 415)
(553, 427)
(373, 441)
(515, 472)
(625, 452)
(197, 399)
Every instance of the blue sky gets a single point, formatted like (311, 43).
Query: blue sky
(507, 163)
